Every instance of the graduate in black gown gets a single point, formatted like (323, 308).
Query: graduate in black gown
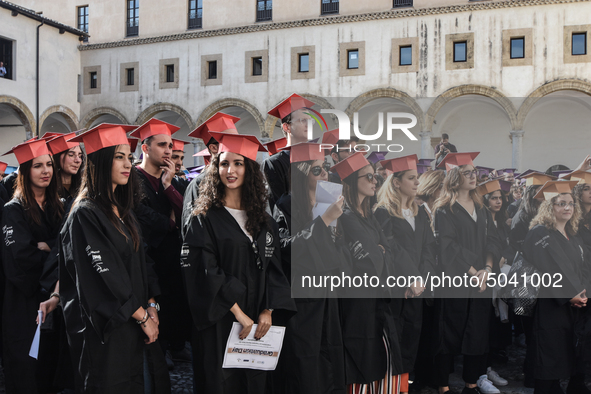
(109, 304)
(372, 352)
(582, 194)
(406, 224)
(553, 247)
(69, 160)
(30, 225)
(177, 157)
(231, 263)
(312, 359)
(220, 122)
(468, 245)
(294, 125)
(161, 193)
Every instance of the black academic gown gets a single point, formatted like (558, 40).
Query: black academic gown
(418, 261)
(182, 184)
(220, 269)
(313, 358)
(165, 250)
(9, 181)
(23, 264)
(513, 208)
(334, 178)
(554, 319)
(276, 170)
(103, 281)
(464, 243)
(365, 321)
(519, 230)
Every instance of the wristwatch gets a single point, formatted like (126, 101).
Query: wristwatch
(154, 305)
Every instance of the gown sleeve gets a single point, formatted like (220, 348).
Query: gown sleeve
(542, 251)
(428, 259)
(103, 282)
(23, 261)
(211, 292)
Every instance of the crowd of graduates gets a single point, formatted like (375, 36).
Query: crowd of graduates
(129, 258)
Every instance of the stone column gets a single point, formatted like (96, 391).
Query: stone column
(426, 149)
(517, 143)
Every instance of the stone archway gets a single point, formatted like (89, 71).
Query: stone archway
(67, 113)
(222, 104)
(24, 113)
(154, 109)
(463, 90)
(364, 98)
(544, 90)
(92, 115)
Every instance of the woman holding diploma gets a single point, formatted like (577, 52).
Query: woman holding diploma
(231, 265)
(312, 358)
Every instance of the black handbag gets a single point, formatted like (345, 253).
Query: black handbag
(519, 291)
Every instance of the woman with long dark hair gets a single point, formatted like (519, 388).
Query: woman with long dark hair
(372, 353)
(582, 195)
(553, 248)
(231, 265)
(69, 165)
(312, 356)
(109, 307)
(30, 225)
(468, 245)
(407, 225)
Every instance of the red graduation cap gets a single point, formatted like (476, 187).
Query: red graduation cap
(154, 127)
(51, 135)
(492, 186)
(219, 122)
(103, 136)
(353, 163)
(205, 154)
(61, 143)
(245, 145)
(579, 176)
(275, 146)
(29, 150)
(377, 156)
(3, 167)
(133, 143)
(305, 151)
(289, 105)
(401, 163)
(330, 137)
(554, 188)
(452, 160)
(178, 144)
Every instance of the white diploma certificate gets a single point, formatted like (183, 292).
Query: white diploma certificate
(250, 353)
(327, 193)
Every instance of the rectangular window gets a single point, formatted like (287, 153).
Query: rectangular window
(264, 10)
(329, 7)
(304, 62)
(170, 73)
(133, 18)
(579, 43)
(517, 48)
(83, 20)
(257, 66)
(406, 55)
(212, 70)
(130, 76)
(353, 58)
(195, 14)
(402, 3)
(6, 59)
(460, 51)
(93, 80)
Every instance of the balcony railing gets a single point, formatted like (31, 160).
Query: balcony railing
(132, 29)
(194, 21)
(330, 7)
(264, 15)
(402, 3)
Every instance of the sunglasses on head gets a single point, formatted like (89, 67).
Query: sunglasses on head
(317, 170)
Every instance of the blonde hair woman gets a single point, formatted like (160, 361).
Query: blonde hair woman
(430, 184)
(552, 246)
(406, 225)
(467, 243)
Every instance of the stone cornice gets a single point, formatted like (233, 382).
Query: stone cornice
(392, 14)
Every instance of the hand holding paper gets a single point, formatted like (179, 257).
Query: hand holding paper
(327, 196)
